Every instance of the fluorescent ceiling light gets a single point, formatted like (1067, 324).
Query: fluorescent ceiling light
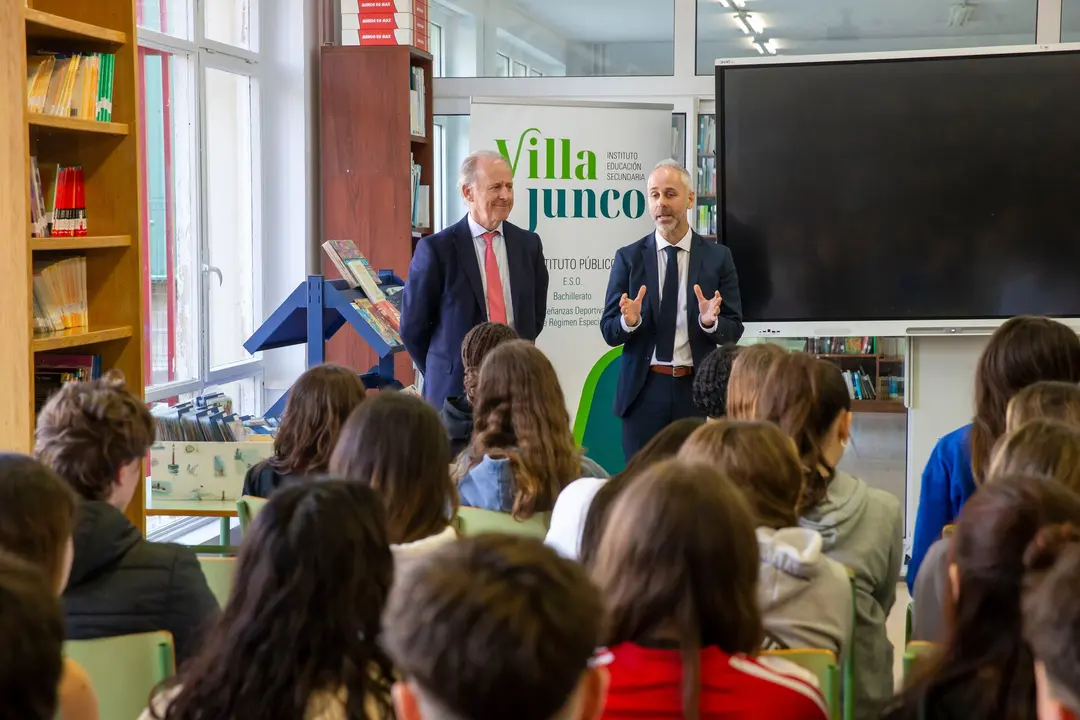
(770, 45)
(755, 23)
(741, 22)
(739, 3)
(724, 3)
(760, 49)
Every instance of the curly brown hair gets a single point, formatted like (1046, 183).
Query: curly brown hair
(478, 342)
(748, 376)
(319, 404)
(521, 415)
(89, 430)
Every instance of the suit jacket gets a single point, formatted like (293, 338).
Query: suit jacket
(444, 299)
(711, 267)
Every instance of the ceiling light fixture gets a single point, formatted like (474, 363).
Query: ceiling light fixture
(755, 22)
(724, 3)
(743, 25)
(770, 45)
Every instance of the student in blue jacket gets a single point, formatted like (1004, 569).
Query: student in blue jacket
(1023, 351)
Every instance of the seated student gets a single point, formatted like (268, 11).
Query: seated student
(1038, 449)
(805, 597)
(319, 404)
(37, 514)
(985, 671)
(1048, 399)
(522, 453)
(495, 627)
(582, 507)
(711, 381)
(862, 527)
(1024, 350)
(1052, 619)
(395, 444)
(299, 637)
(679, 573)
(31, 642)
(457, 412)
(747, 378)
(94, 435)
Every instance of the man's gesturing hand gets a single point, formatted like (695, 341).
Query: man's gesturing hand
(708, 307)
(631, 307)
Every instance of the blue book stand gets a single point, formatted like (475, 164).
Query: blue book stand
(312, 314)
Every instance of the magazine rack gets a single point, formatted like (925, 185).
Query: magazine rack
(312, 314)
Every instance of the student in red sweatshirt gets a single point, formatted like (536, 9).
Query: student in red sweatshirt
(679, 572)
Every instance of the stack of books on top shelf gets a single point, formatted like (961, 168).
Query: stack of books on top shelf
(60, 295)
(385, 22)
(853, 345)
(58, 207)
(420, 198)
(381, 311)
(72, 86)
(51, 370)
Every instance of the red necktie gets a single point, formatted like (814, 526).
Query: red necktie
(496, 302)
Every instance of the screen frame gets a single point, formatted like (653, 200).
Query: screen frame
(894, 328)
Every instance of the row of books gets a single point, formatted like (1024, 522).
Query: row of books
(380, 310)
(51, 370)
(852, 345)
(419, 198)
(77, 85)
(892, 387)
(417, 101)
(58, 211)
(860, 385)
(210, 417)
(385, 22)
(706, 219)
(60, 295)
(706, 134)
(706, 176)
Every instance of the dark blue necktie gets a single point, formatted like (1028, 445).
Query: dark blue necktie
(669, 308)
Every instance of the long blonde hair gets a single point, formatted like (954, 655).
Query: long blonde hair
(521, 415)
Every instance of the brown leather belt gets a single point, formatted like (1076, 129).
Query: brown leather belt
(673, 370)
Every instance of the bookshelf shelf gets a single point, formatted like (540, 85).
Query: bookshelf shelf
(45, 25)
(80, 243)
(421, 139)
(845, 355)
(78, 337)
(55, 122)
(878, 406)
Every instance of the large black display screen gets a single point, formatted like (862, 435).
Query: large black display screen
(938, 188)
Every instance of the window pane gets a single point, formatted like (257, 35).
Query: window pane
(520, 70)
(171, 293)
(171, 17)
(742, 28)
(436, 47)
(678, 137)
(455, 146)
(558, 37)
(230, 215)
(1070, 20)
(230, 22)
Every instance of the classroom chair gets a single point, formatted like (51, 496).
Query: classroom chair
(822, 663)
(474, 521)
(848, 669)
(917, 652)
(125, 669)
(220, 573)
(247, 508)
(907, 622)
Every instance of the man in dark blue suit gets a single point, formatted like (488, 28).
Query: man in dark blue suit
(483, 269)
(672, 297)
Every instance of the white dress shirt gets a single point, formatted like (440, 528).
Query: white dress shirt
(682, 356)
(498, 244)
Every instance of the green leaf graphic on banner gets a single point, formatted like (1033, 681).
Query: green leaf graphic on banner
(596, 428)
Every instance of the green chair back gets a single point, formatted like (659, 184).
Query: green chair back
(474, 521)
(124, 670)
(848, 681)
(220, 573)
(908, 622)
(822, 663)
(247, 508)
(916, 653)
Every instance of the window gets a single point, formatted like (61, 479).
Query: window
(557, 37)
(533, 72)
(520, 69)
(436, 46)
(202, 232)
(1070, 20)
(733, 28)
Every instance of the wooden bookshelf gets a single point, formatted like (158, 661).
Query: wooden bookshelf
(109, 155)
(365, 139)
(872, 364)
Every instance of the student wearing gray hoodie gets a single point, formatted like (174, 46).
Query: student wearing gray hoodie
(805, 597)
(861, 527)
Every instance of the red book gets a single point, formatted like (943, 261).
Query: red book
(80, 200)
(60, 202)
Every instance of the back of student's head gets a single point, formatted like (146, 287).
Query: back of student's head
(494, 627)
(1052, 617)
(395, 444)
(476, 345)
(809, 400)
(760, 459)
(37, 513)
(31, 641)
(304, 614)
(748, 374)
(684, 556)
(1050, 399)
(319, 404)
(1039, 448)
(711, 380)
(88, 432)
(1023, 351)
(521, 413)
(665, 444)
